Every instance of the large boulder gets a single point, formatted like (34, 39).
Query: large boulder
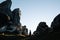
(9, 21)
(42, 27)
(56, 23)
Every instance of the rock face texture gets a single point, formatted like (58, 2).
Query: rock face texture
(9, 20)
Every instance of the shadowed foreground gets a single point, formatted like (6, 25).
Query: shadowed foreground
(11, 38)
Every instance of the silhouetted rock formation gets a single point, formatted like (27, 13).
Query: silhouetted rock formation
(5, 8)
(24, 30)
(16, 16)
(41, 31)
(9, 20)
(42, 28)
(5, 11)
(6, 4)
(56, 23)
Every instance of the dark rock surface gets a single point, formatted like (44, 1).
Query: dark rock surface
(56, 23)
(9, 20)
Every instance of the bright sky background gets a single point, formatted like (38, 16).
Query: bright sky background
(35, 11)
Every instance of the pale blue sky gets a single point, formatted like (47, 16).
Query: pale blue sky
(35, 11)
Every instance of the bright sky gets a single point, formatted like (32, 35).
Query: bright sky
(35, 11)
